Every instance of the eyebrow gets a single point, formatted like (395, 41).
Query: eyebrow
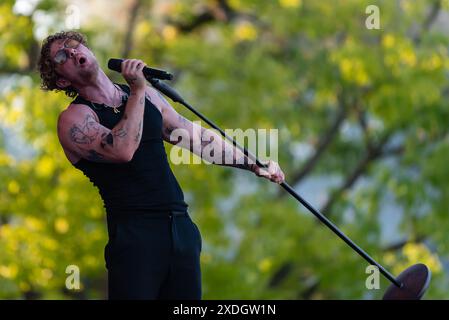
(61, 48)
(63, 44)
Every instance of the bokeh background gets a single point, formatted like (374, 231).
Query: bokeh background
(363, 128)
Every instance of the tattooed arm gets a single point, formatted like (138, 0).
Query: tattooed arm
(206, 143)
(80, 132)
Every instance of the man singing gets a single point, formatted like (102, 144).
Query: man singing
(114, 134)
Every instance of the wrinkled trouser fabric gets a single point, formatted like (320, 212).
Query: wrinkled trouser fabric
(153, 256)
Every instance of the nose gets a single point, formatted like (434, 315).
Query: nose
(71, 51)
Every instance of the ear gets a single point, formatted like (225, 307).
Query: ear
(63, 83)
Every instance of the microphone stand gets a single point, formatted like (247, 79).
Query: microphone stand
(173, 95)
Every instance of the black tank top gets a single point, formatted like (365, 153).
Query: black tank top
(146, 183)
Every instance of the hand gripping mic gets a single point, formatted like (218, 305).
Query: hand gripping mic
(149, 73)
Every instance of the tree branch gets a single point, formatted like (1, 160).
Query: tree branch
(220, 12)
(428, 22)
(280, 274)
(323, 144)
(131, 24)
(372, 154)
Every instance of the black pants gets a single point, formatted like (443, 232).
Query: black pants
(153, 256)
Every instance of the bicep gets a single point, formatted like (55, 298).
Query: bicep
(81, 133)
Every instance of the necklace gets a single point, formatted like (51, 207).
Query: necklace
(124, 98)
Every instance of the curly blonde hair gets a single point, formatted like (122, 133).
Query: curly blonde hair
(47, 67)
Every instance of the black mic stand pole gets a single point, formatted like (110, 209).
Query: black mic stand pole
(410, 284)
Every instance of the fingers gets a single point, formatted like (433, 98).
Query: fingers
(126, 67)
(132, 72)
(132, 67)
(276, 172)
(273, 172)
(140, 66)
(261, 171)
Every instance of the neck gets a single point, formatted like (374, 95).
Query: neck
(98, 89)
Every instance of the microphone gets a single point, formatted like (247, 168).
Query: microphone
(149, 73)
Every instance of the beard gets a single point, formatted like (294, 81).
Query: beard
(86, 74)
(89, 72)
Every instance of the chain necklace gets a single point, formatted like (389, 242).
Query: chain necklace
(124, 98)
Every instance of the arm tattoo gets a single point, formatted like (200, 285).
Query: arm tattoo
(107, 139)
(229, 153)
(139, 132)
(168, 128)
(241, 163)
(87, 132)
(204, 142)
(120, 132)
(167, 131)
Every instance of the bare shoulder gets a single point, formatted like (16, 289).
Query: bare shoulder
(75, 112)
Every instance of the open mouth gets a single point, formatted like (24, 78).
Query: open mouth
(82, 61)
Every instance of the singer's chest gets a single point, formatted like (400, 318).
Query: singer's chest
(152, 120)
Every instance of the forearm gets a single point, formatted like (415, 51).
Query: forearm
(207, 144)
(215, 149)
(127, 133)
